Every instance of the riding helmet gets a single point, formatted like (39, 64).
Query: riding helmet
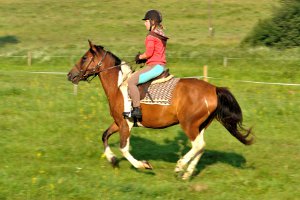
(154, 15)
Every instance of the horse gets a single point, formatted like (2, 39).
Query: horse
(194, 105)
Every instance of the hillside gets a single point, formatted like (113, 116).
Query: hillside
(63, 27)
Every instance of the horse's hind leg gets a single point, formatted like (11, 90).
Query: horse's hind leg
(110, 156)
(189, 161)
(200, 144)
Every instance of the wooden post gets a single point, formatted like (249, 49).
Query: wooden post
(225, 61)
(75, 89)
(29, 57)
(210, 26)
(205, 73)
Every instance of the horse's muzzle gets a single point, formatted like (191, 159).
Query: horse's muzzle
(69, 76)
(73, 77)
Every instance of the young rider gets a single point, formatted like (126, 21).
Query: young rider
(154, 57)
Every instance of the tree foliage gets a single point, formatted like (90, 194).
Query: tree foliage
(280, 31)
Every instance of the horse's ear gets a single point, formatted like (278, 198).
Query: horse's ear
(91, 44)
(93, 48)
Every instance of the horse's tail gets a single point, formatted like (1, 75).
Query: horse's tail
(229, 114)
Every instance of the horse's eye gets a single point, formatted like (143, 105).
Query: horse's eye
(84, 58)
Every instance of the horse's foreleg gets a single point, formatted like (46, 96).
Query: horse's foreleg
(190, 160)
(110, 156)
(125, 144)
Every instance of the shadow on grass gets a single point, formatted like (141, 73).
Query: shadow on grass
(8, 39)
(211, 157)
(171, 151)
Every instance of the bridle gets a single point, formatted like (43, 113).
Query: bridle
(95, 71)
(82, 73)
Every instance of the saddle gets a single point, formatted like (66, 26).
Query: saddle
(146, 93)
(143, 88)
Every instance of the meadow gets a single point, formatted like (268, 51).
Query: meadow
(50, 144)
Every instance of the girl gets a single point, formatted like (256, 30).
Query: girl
(154, 57)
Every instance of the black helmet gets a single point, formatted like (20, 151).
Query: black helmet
(154, 15)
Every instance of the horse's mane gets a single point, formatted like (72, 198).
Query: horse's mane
(116, 58)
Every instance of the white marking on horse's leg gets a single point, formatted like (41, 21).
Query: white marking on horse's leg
(109, 154)
(199, 145)
(196, 147)
(181, 163)
(125, 150)
(206, 103)
(130, 124)
(192, 166)
(130, 158)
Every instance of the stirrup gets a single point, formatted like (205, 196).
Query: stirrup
(126, 115)
(136, 113)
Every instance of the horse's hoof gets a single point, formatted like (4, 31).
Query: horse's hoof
(186, 176)
(147, 165)
(178, 170)
(114, 162)
(178, 174)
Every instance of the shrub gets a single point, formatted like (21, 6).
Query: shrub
(281, 31)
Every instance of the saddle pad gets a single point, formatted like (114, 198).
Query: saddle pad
(160, 93)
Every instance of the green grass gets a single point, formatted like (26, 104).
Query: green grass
(63, 27)
(50, 145)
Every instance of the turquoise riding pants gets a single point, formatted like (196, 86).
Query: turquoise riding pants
(139, 77)
(152, 73)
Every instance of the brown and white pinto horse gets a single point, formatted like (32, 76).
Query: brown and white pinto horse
(194, 105)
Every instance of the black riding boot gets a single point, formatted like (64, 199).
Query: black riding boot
(136, 112)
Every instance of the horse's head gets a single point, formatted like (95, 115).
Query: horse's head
(88, 65)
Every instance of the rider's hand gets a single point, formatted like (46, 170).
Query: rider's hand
(138, 60)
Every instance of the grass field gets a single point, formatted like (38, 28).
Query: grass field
(50, 145)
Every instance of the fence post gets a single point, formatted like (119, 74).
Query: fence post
(225, 61)
(75, 89)
(29, 57)
(205, 73)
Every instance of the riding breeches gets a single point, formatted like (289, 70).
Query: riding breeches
(139, 77)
